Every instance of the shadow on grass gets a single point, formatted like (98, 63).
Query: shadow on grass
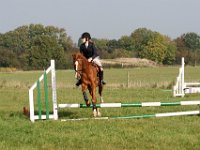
(60, 113)
(20, 115)
(68, 114)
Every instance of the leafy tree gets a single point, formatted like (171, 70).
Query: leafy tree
(127, 43)
(36, 30)
(61, 36)
(154, 46)
(192, 41)
(141, 38)
(170, 54)
(188, 46)
(8, 58)
(102, 48)
(182, 49)
(154, 50)
(120, 53)
(37, 44)
(17, 40)
(112, 45)
(43, 49)
(101, 44)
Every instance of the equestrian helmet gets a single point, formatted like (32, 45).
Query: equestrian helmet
(86, 35)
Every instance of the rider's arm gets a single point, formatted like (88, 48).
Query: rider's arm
(94, 51)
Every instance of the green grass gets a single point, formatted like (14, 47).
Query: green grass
(146, 85)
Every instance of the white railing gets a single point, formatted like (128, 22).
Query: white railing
(181, 88)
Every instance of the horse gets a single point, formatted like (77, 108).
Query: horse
(88, 73)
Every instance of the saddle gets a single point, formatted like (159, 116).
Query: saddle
(97, 68)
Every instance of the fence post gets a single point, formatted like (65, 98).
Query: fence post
(39, 100)
(54, 94)
(46, 95)
(128, 80)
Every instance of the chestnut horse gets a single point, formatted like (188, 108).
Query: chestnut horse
(88, 73)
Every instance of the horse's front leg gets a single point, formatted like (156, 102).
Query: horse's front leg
(96, 111)
(84, 88)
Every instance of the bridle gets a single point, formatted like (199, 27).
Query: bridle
(78, 72)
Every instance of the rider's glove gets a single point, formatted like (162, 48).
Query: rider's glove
(90, 60)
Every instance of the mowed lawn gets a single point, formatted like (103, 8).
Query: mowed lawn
(123, 85)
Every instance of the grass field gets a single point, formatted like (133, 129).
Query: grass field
(124, 85)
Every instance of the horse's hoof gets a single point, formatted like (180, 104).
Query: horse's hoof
(101, 99)
(88, 104)
(98, 113)
(94, 113)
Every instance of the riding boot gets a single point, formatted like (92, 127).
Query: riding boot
(78, 82)
(101, 77)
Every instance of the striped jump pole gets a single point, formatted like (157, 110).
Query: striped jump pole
(136, 104)
(158, 115)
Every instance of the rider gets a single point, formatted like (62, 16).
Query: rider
(88, 49)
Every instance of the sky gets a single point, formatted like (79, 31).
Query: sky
(108, 19)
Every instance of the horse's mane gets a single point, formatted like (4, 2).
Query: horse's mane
(80, 56)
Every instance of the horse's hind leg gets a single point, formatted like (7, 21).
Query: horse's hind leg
(100, 93)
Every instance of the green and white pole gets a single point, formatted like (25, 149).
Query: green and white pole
(39, 100)
(170, 114)
(158, 115)
(135, 104)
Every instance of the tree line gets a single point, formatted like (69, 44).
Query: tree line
(31, 47)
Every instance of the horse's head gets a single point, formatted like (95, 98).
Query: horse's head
(78, 60)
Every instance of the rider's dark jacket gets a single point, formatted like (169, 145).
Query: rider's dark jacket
(89, 51)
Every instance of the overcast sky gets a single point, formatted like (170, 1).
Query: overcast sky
(103, 18)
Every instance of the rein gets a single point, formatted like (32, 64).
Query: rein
(79, 71)
(81, 65)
